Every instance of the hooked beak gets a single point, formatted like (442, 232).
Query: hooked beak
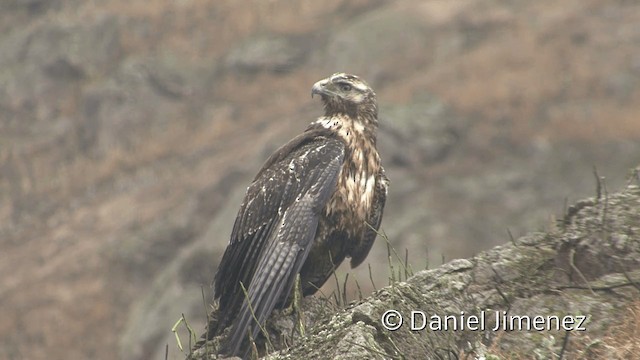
(319, 88)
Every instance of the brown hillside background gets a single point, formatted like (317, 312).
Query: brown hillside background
(130, 130)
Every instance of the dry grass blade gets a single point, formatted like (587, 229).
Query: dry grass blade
(192, 334)
(262, 329)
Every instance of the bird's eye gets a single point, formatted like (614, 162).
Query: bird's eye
(345, 87)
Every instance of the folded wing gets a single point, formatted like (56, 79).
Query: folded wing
(273, 232)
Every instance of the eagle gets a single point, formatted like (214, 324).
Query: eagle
(316, 201)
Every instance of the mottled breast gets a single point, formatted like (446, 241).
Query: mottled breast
(356, 185)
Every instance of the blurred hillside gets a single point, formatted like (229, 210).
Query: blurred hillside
(130, 130)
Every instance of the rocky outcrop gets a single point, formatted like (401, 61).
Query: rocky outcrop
(571, 292)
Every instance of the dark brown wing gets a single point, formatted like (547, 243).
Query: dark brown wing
(273, 232)
(360, 252)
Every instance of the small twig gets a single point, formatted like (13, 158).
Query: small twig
(192, 334)
(513, 241)
(605, 212)
(598, 184)
(390, 249)
(426, 265)
(595, 288)
(338, 296)
(565, 209)
(498, 276)
(572, 254)
(371, 278)
(204, 303)
(206, 311)
(565, 342)
(320, 290)
(406, 263)
(396, 349)
(335, 276)
(344, 289)
(635, 284)
(502, 295)
(359, 290)
(391, 271)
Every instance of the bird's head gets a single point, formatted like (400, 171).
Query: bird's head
(348, 94)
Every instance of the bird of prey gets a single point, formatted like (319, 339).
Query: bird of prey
(317, 200)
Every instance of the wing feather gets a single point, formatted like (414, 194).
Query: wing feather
(273, 233)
